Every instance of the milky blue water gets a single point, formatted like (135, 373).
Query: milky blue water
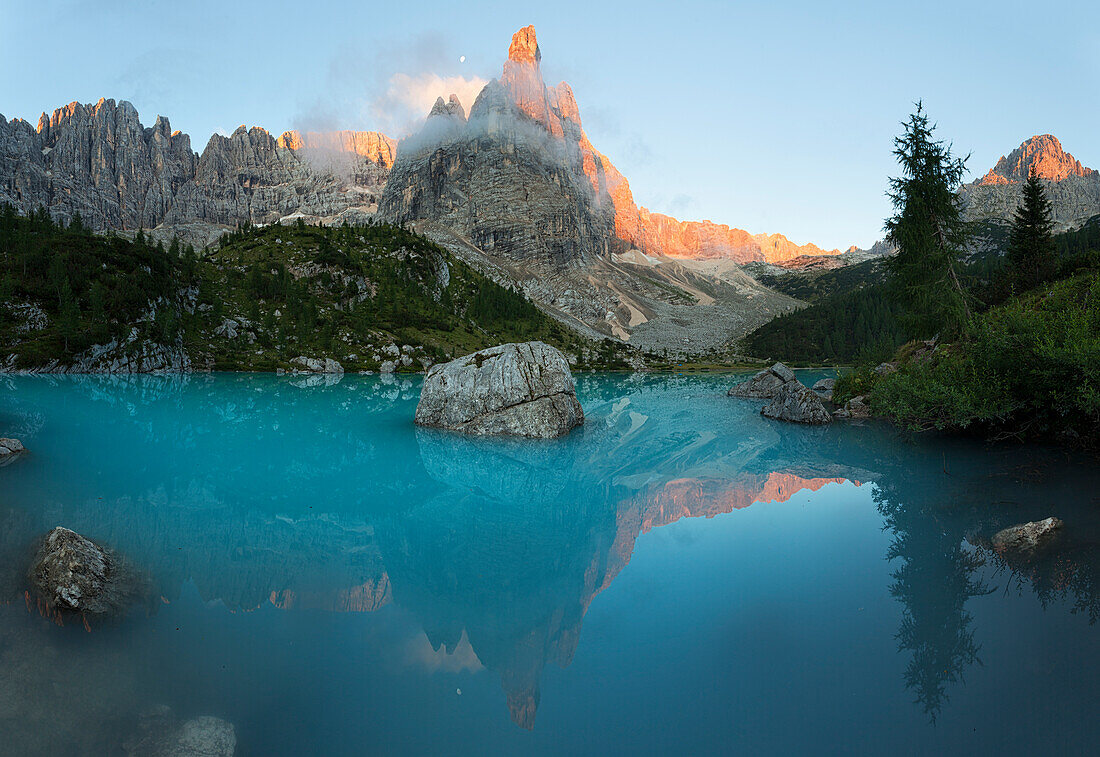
(681, 575)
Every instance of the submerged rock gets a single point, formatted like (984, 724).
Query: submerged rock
(72, 573)
(798, 404)
(765, 384)
(1026, 537)
(160, 734)
(514, 389)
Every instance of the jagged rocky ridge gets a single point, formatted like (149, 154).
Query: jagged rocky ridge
(99, 161)
(1074, 190)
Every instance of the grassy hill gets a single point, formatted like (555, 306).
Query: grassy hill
(361, 295)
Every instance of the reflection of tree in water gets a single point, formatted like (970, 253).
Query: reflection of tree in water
(933, 583)
(1070, 571)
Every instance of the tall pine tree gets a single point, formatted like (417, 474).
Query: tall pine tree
(928, 231)
(1031, 243)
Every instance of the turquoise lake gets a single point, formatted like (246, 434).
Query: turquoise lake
(679, 576)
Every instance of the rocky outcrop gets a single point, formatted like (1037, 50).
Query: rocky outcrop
(1074, 190)
(1042, 155)
(856, 408)
(99, 161)
(765, 384)
(10, 449)
(1025, 538)
(796, 403)
(96, 160)
(72, 573)
(128, 356)
(522, 173)
(518, 178)
(514, 389)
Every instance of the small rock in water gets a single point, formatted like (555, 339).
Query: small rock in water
(10, 449)
(798, 404)
(856, 407)
(514, 389)
(765, 384)
(1026, 537)
(824, 388)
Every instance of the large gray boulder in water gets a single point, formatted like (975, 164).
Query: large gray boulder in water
(798, 404)
(765, 384)
(514, 389)
(72, 573)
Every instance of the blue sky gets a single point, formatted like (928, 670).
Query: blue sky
(773, 117)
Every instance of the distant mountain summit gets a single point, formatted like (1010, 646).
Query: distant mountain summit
(1042, 154)
(98, 160)
(556, 157)
(1074, 190)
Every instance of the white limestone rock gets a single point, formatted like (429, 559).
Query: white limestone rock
(514, 389)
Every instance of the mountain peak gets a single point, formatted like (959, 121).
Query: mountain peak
(1042, 154)
(525, 47)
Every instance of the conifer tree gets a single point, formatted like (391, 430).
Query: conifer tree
(928, 231)
(1031, 242)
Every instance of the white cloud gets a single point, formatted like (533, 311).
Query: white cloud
(408, 98)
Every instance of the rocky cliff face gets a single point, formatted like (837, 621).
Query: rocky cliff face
(1074, 190)
(99, 161)
(512, 179)
(560, 180)
(96, 160)
(1042, 155)
(520, 189)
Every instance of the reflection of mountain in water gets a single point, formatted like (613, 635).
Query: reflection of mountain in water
(259, 491)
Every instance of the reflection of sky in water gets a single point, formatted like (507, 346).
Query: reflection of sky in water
(679, 574)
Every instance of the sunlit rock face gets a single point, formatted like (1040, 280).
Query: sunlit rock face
(363, 157)
(551, 171)
(1042, 154)
(1073, 189)
(519, 179)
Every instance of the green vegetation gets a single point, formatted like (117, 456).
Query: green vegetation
(928, 231)
(1031, 246)
(860, 326)
(1016, 348)
(64, 290)
(362, 295)
(1028, 368)
(817, 286)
